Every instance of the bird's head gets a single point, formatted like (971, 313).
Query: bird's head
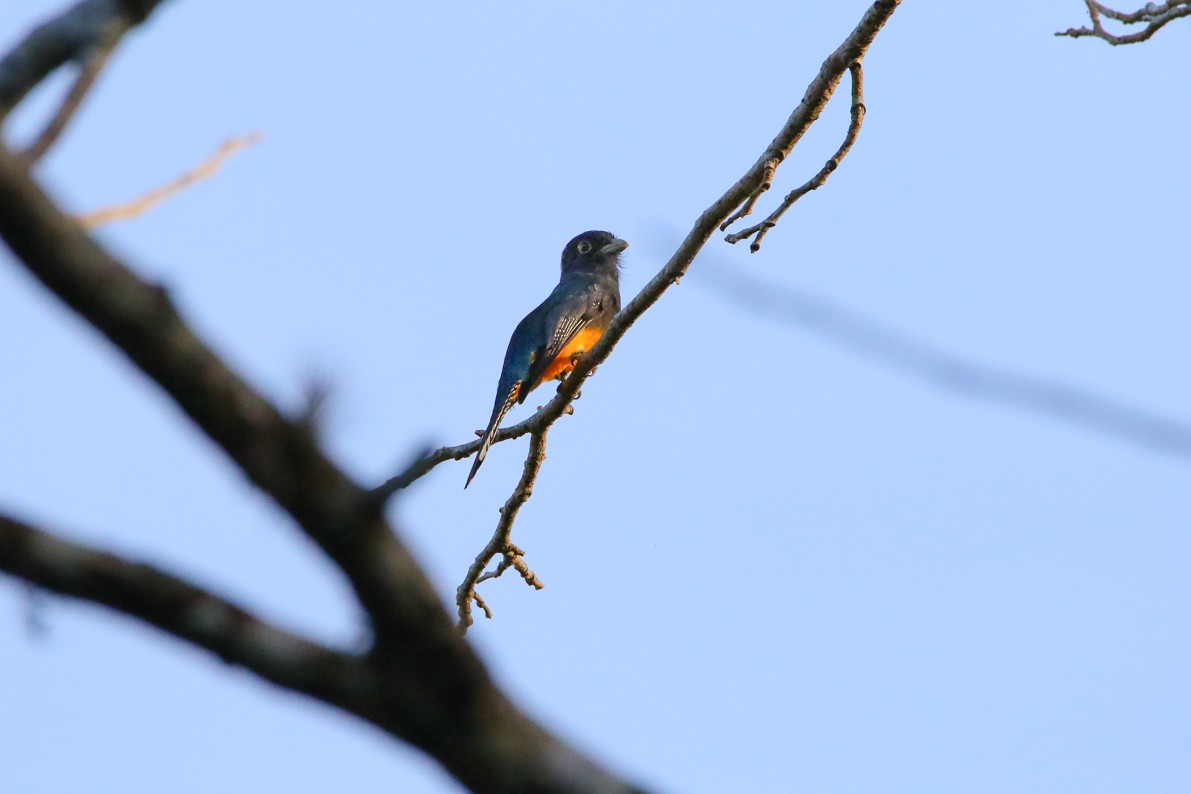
(593, 251)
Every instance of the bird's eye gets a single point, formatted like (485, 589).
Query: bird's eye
(584, 247)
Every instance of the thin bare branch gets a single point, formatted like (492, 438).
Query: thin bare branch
(141, 205)
(501, 542)
(847, 56)
(1154, 15)
(426, 462)
(820, 90)
(852, 50)
(819, 179)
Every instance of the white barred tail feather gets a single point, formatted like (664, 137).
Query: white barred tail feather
(490, 433)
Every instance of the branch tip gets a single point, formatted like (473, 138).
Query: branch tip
(1154, 15)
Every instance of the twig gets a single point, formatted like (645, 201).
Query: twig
(480, 603)
(1155, 15)
(747, 208)
(513, 557)
(500, 543)
(90, 67)
(35, 606)
(316, 395)
(819, 179)
(136, 207)
(426, 462)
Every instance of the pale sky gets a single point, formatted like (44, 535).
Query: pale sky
(771, 564)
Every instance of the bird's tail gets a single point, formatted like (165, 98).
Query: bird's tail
(490, 433)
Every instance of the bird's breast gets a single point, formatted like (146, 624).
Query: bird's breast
(562, 363)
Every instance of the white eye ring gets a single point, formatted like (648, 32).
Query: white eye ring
(584, 247)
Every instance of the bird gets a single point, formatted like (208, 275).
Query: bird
(548, 342)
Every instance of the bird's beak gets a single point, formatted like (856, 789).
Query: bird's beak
(614, 247)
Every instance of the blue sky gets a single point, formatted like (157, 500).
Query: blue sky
(771, 564)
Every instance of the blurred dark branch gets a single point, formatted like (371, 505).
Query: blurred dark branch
(419, 681)
(953, 373)
(436, 694)
(75, 35)
(818, 93)
(374, 687)
(180, 608)
(814, 183)
(1154, 15)
(141, 320)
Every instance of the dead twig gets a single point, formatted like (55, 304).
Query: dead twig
(139, 206)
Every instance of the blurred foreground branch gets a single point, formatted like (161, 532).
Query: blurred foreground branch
(184, 610)
(1044, 396)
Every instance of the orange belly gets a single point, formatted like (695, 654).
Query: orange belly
(562, 365)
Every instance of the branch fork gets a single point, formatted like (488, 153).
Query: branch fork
(759, 230)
